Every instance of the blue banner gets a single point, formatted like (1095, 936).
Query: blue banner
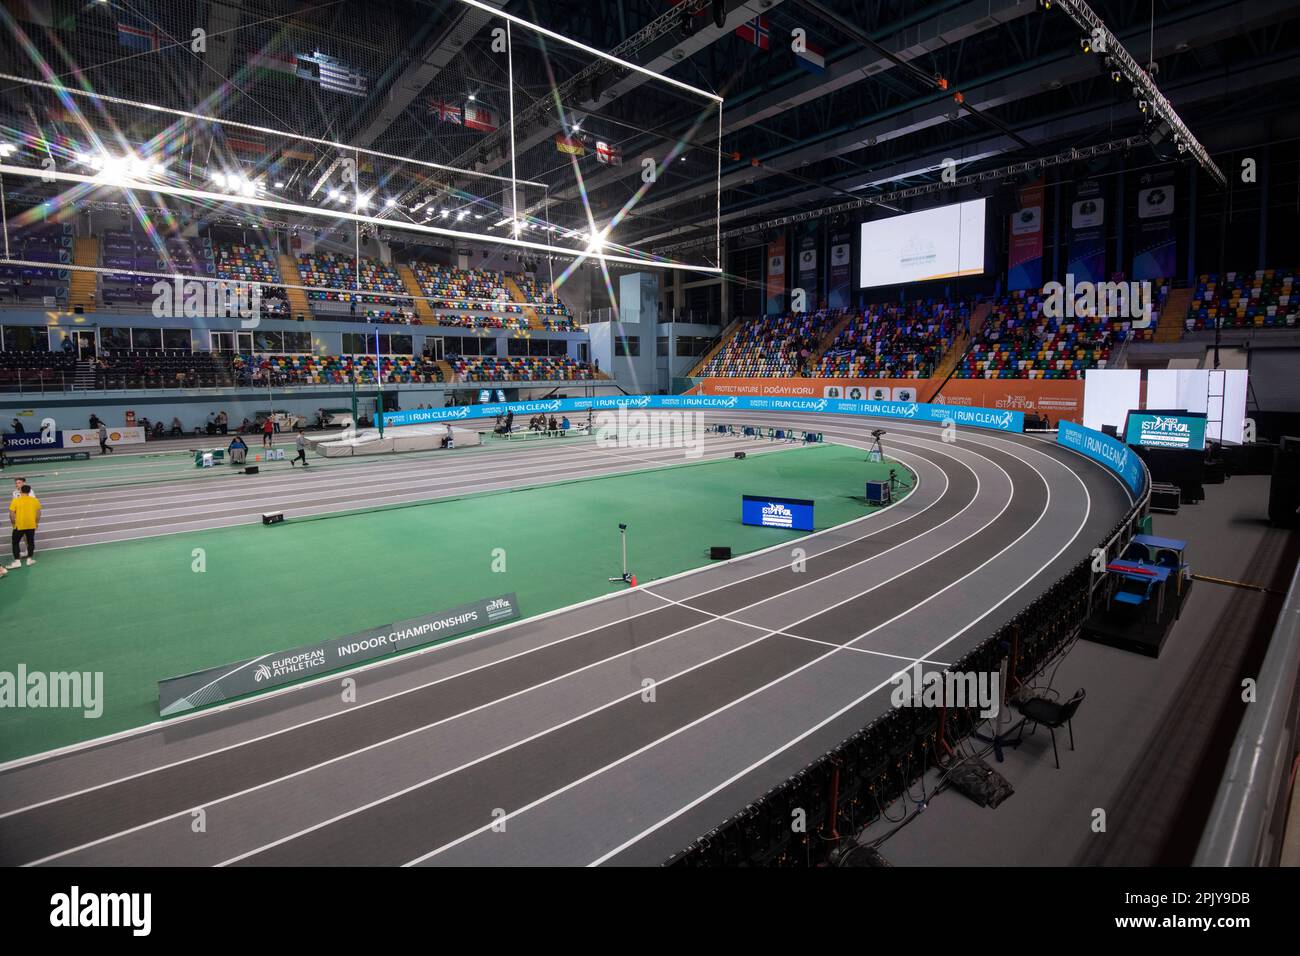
(25, 440)
(1111, 452)
(793, 513)
(997, 419)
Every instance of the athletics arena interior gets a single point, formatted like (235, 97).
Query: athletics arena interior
(709, 433)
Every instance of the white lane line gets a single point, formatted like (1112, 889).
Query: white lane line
(879, 517)
(700, 720)
(709, 619)
(768, 633)
(562, 640)
(845, 709)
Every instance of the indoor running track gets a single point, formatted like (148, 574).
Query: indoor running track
(612, 732)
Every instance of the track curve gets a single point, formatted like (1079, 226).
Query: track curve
(535, 743)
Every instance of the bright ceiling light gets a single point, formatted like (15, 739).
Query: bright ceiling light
(279, 185)
(7, 149)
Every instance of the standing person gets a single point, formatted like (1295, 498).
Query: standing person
(18, 487)
(18, 427)
(24, 517)
(268, 427)
(301, 444)
(104, 447)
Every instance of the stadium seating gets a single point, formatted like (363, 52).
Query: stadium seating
(518, 368)
(894, 341)
(281, 370)
(337, 280)
(1266, 298)
(473, 299)
(160, 369)
(35, 370)
(1018, 341)
(771, 347)
(545, 303)
(43, 243)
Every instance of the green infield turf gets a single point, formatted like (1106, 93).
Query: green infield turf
(142, 610)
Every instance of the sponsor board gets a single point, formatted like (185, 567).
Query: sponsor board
(53, 456)
(794, 514)
(89, 437)
(1163, 430)
(22, 441)
(216, 684)
(1111, 452)
(1000, 419)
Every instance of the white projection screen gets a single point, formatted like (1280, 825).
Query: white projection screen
(1108, 396)
(1221, 395)
(940, 243)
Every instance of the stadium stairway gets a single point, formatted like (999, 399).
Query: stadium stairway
(297, 298)
(517, 295)
(423, 311)
(956, 352)
(1177, 304)
(828, 339)
(82, 286)
(727, 334)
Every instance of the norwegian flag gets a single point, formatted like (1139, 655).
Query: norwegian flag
(445, 111)
(609, 154)
(756, 31)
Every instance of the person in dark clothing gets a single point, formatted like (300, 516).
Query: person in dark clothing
(104, 447)
(18, 427)
(301, 444)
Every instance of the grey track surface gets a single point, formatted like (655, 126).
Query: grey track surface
(537, 743)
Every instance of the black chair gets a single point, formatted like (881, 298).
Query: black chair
(1052, 714)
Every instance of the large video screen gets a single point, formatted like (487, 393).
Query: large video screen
(939, 243)
(1172, 429)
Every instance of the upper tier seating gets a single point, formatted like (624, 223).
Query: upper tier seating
(43, 243)
(336, 276)
(489, 368)
(279, 370)
(895, 340)
(771, 347)
(544, 302)
(1266, 298)
(455, 295)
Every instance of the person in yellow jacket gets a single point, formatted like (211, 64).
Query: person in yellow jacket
(24, 516)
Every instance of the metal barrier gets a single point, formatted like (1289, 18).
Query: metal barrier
(1247, 822)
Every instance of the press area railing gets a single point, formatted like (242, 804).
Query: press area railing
(1247, 823)
(849, 786)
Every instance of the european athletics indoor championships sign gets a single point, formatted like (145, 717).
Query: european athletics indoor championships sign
(997, 419)
(216, 684)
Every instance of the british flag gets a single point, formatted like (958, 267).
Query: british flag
(144, 39)
(444, 111)
(756, 31)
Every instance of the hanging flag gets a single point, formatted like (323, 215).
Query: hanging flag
(444, 111)
(570, 144)
(756, 31)
(811, 60)
(609, 154)
(476, 117)
(286, 65)
(145, 39)
(332, 75)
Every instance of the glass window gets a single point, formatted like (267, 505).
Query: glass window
(517, 346)
(559, 347)
(146, 339)
(661, 345)
(297, 341)
(268, 341)
(399, 344)
(177, 339)
(627, 345)
(354, 343)
(117, 339)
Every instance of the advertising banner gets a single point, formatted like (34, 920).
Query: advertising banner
(1183, 432)
(1156, 248)
(839, 288)
(216, 684)
(994, 418)
(776, 277)
(1110, 452)
(89, 437)
(1025, 248)
(1056, 399)
(790, 513)
(809, 240)
(1087, 259)
(30, 441)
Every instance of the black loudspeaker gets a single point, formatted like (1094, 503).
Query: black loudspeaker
(1111, 430)
(740, 454)
(719, 13)
(273, 517)
(719, 553)
(1284, 488)
(251, 470)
